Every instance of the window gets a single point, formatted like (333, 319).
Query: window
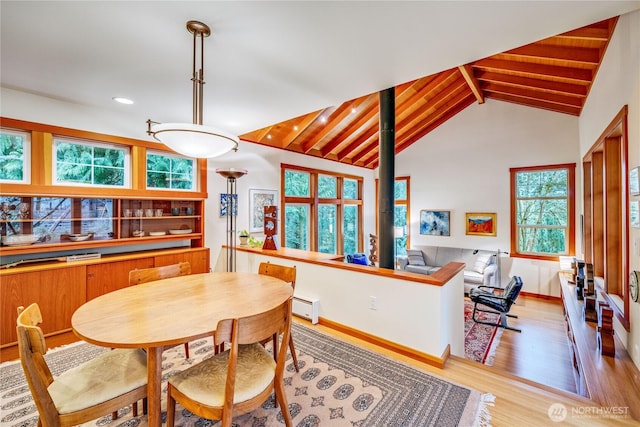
(15, 159)
(170, 172)
(84, 163)
(542, 211)
(401, 209)
(322, 210)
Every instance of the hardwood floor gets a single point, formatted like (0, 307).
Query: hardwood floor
(532, 371)
(541, 352)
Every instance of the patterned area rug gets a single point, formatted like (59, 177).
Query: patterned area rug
(480, 341)
(339, 384)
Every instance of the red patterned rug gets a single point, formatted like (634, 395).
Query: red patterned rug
(480, 341)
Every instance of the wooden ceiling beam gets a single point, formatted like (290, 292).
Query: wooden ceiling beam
(587, 33)
(529, 82)
(365, 119)
(534, 94)
(302, 126)
(333, 123)
(467, 73)
(529, 69)
(563, 53)
(407, 135)
(558, 108)
(369, 146)
(367, 133)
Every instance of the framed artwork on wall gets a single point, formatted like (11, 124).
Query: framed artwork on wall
(435, 223)
(481, 224)
(634, 214)
(225, 203)
(634, 182)
(258, 199)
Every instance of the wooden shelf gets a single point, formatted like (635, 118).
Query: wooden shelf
(610, 381)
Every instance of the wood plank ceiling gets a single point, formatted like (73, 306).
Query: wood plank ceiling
(553, 74)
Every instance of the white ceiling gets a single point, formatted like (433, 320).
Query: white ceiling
(266, 61)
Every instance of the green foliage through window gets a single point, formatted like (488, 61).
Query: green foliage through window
(14, 162)
(90, 164)
(542, 202)
(169, 172)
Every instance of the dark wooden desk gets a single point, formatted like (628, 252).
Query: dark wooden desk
(173, 311)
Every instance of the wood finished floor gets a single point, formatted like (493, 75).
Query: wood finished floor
(532, 370)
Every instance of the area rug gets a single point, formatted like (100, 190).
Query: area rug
(480, 341)
(339, 384)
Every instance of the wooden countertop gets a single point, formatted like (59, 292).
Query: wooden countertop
(611, 381)
(439, 278)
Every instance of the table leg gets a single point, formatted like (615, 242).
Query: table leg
(154, 385)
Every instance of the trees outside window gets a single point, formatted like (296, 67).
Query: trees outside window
(322, 210)
(542, 207)
(89, 163)
(171, 172)
(15, 157)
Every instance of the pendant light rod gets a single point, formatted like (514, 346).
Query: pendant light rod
(201, 30)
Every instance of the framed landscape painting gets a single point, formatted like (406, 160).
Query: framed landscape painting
(481, 224)
(435, 223)
(258, 199)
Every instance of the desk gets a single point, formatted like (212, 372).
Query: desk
(173, 311)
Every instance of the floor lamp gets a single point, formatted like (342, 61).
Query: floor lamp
(231, 175)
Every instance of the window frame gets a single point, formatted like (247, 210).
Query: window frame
(571, 209)
(314, 201)
(398, 202)
(26, 156)
(93, 144)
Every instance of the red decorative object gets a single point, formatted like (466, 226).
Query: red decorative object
(270, 227)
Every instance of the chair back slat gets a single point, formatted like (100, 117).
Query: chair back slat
(282, 272)
(254, 328)
(144, 275)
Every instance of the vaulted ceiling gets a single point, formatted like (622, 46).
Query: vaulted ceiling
(554, 74)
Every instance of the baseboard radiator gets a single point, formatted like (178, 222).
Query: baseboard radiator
(306, 308)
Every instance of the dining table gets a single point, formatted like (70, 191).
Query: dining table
(169, 312)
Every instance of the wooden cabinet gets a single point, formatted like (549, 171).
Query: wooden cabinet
(68, 223)
(60, 288)
(110, 276)
(58, 292)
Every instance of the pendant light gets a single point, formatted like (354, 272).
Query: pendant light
(195, 139)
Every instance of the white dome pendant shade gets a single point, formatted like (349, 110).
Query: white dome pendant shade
(195, 139)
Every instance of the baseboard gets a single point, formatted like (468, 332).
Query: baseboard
(541, 296)
(389, 345)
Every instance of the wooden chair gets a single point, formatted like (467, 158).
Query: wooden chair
(287, 274)
(93, 389)
(239, 379)
(144, 275)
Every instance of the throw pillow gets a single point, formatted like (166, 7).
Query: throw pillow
(481, 263)
(415, 257)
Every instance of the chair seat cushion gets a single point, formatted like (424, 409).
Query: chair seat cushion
(105, 377)
(488, 299)
(205, 382)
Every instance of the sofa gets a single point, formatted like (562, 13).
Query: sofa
(480, 265)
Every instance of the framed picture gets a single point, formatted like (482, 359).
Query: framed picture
(634, 214)
(225, 202)
(634, 182)
(481, 224)
(258, 199)
(435, 223)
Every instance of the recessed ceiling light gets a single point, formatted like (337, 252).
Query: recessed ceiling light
(353, 110)
(295, 127)
(122, 100)
(269, 136)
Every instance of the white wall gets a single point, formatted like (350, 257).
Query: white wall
(617, 84)
(463, 166)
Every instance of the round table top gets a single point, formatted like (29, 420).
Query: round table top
(175, 310)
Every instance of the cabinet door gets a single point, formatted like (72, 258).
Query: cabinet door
(58, 292)
(110, 276)
(199, 260)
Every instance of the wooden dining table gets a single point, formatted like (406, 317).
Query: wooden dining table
(169, 312)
